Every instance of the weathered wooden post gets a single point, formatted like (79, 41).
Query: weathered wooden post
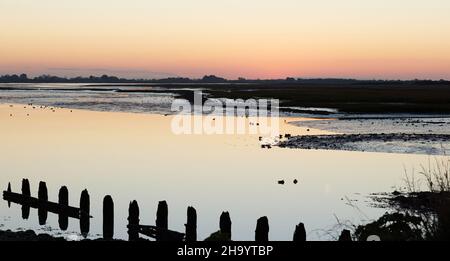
(9, 191)
(26, 192)
(84, 213)
(108, 218)
(191, 225)
(162, 223)
(225, 225)
(300, 233)
(162, 215)
(262, 230)
(345, 235)
(43, 198)
(42, 192)
(133, 221)
(63, 200)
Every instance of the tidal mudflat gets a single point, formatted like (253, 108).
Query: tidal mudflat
(414, 134)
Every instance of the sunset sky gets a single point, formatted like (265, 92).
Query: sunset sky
(400, 39)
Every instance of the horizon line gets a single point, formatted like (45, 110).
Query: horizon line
(214, 77)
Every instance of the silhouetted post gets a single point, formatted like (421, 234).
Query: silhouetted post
(162, 219)
(225, 224)
(345, 235)
(191, 225)
(262, 230)
(9, 190)
(133, 221)
(108, 218)
(42, 192)
(84, 213)
(63, 200)
(26, 191)
(162, 215)
(300, 233)
(26, 188)
(43, 197)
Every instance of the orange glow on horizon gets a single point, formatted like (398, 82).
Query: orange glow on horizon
(255, 39)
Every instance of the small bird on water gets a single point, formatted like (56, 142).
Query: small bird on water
(281, 182)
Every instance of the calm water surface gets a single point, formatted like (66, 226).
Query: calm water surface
(135, 156)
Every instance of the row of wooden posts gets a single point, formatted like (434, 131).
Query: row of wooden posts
(43, 205)
(160, 231)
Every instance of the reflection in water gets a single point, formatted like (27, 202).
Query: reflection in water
(25, 211)
(136, 156)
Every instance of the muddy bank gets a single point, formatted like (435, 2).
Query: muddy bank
(28, 235)
(433, 144)
(386, 123)
(424, 201)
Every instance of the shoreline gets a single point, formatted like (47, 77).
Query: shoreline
(356, 98)
(301, 117)
(384, 143)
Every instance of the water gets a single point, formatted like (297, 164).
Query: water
(136, 157)
(127, 98)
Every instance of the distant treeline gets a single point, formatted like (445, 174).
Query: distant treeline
(23, 78)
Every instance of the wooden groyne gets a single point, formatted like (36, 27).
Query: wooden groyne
(159, 232)
(44, 206)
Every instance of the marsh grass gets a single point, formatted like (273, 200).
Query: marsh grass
(412, 184)
(424, 206)
(421, 211)
(333, 232)
(437, 175)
